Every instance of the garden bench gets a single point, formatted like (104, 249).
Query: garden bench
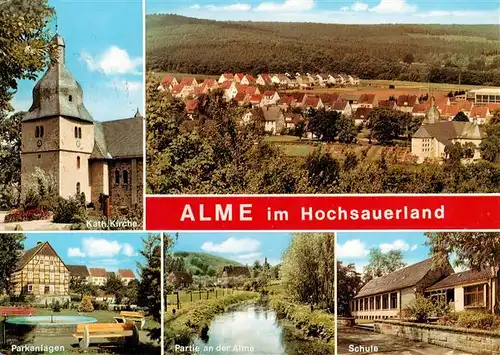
(86, 332)
(16, 311)
(133, 316)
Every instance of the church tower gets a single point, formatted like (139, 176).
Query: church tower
(57, 131)
(432, 114)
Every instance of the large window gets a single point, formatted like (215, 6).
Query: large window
(474, 296)
(361, 308)
(394, 300)
(78, 162)
(372, 303)
(117, 176)
(377, 302)
(125, 177)
(385, 301)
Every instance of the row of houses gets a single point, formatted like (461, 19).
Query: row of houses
(288, 80)
(42, 273)
(386, 297)
(184, 279)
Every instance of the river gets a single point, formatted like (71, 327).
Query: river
(253, 329)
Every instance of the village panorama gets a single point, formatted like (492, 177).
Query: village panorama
(336, 133)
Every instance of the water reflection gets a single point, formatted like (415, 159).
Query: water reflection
(253, 330)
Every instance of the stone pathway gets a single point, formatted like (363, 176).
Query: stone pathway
(358, 341)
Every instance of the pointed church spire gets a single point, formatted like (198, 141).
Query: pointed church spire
(137, 113)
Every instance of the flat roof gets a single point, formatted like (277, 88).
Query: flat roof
(487, 91)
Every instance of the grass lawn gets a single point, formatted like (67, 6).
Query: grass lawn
(276, 288)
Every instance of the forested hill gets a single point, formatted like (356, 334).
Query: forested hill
(409, 52)
(203, 263)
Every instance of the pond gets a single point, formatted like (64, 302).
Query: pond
(253, 329)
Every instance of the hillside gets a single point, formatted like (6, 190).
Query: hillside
(203, 263)
(439, 53)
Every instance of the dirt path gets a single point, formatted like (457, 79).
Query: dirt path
(367, 343)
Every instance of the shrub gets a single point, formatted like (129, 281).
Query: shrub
(70, 210)
(476, 319)
(41, 194)
(56, 306)
(28, 215)
(86, 305)
(421, 308)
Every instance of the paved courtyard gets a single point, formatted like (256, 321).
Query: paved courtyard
(386, 344)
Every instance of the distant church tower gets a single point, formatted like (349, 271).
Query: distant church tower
(432, 115)
(58, 131)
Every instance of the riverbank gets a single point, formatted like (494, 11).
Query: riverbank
(316, 325)
(194, 318)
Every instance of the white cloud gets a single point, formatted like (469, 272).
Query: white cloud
(97, 248)
(128, 250)
(394, 6)
(112, 61)
(453, 13)
(232, 7)
(125, 85)
(288, 5)
(357, 6)
(395, 245)
(195, 7)
(354, 248)
(414, 247)
(233, 245)
(75, 252)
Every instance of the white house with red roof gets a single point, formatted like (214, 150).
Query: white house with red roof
(264, 79)
(238, 77)
(248, 79)
(98, 276)
(225, 77)
(126, 275)
(168, 83)
(270, 97)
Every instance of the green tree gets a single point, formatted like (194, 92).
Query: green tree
(114, 286)
(490, 145)
(461, 117)
(381, 264)
(132, 291)
(300, 129)
(150, 284)
(350, 161)
(323, 124)
(348, 285)
(11, 249)
(308, 271)
(474, 250)
(322, 170)
(346, 130)
(387, 125)
(25, 42)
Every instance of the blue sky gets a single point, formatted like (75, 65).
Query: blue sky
(103, 52)
(111, 251)
(242, 247)
(353, 247)
(336, 11)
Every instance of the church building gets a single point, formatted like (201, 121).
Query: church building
(60, 137)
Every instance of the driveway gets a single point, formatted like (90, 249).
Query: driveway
(366, 343)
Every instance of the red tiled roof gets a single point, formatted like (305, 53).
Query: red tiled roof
(247, 89)
(240, 96)
(389, 104)
(311, 101)
(239, 76)
(228, 75)
(407, 100)
(339, 105)
(255, 99)
(450, 111)
(226, 85)
(286, 100)
(269, 93)
(479, 111)
(167, 80)
(187, 81)
(366, 98)
(97, 272)
(177, 88)
(421, 108)
(329, 99)
(126, 273)
(250, 78)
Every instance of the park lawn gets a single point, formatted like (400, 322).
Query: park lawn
(282, 138)
(297, 150)
(276, 288)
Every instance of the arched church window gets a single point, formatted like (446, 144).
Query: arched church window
(78, 188)
(37, 131)
(80, 132)
(76, 132)
(117, 176)
(78, 162)
(125, 177)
